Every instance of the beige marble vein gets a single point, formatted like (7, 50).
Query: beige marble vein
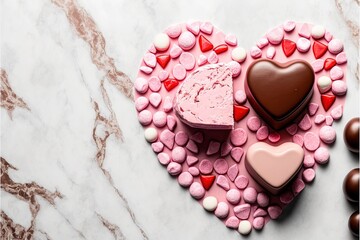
(114, 229)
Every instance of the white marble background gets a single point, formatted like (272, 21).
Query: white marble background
(56, 137)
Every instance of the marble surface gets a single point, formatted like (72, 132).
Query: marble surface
(74, 161)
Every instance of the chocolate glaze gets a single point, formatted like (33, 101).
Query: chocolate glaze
(351, 134)
(279, 92)
(351, 185)
(354, 223)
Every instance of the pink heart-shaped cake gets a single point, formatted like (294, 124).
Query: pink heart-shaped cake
(202, 120)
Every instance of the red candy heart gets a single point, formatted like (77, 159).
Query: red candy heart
(329, 63)
(170, 84)
(319, 49)
(207, 181)
(288, 47)
(163, 60)
(205, 45)
(240, 112)
(327, 101)
(221, 48)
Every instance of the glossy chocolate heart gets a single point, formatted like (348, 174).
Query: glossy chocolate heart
(274, 167)
(279, 92)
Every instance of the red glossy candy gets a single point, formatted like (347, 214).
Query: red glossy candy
(205, 45)
(319, 49)
(221, 48)
(207, 181)
(170, 84)
(163, 60)
(288, 47)
(329, 63)
(240, 112)
(327, 101)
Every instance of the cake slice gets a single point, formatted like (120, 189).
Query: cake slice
(205, 98)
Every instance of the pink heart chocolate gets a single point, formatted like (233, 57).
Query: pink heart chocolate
(274, 167)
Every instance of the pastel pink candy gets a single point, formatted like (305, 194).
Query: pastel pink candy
(174, 168)
(275, 36)
(318, 65)
(196, 190)
(270, 52)
(255, 52)
(289, 26)
(232, 222)
(263, 42)
(202, 60)
(157, 146)
(298, 139)
(250, 195)
(242, 211)
(194, 171)
(141, 103)
(197, 137)
(274, 211)
(286, 197)
(319, 119)
(231, 39)
(341, 58)
(274, 137)
(232, 172)
(186, 40)
(321, 155)
(339, 87)
(297, 186)
(336, 73)
(305, 123)
(260, 212)
(197, 97)
(178, 154)
(235, 68)
(337, 112)
(262, 133)
(238, 137)
(328, 36)
(311, 141)
(159, 119)
(155, 99)
(191, 160)
(253, 123)
(233, 196)
(174, 31)
(221, 166)
(163, 158)
(145, 117)
(179, 72)
(335, 46)
(206, 27)
(241, 182)
(240, 96)
(329, 120)
(303, 44)
(237, 153)
(308, 175)
(191, 146)
(292, 129)
(175, 51)
(327, 134)
(205, 166)
(181, 138)
(141, 85)
(185, 179)
(193, 27)
(146, 69)
(163, 75)
(223, 182)
(187, 60)
(258, 223)
(154, 84)
(305, 31)
(225, 149)
(313, 107)
(309, 161)
(167, 138)
(152, 49)
(222, 210)
(150, 59)
(168, 105)
(263, 199)
(171, 122)
(213, 148)
(213, 57)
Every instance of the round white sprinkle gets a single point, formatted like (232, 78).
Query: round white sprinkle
(244, 227)
(150, 134)
(210, 203)
(238, 54)
(317, 31)
(162, 42)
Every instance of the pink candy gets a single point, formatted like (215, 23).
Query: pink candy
(155, 99)
(174, 31)
(336, 73)
(163, 158)
(191, 146)
(286, 197)
(235, 68)
(308, 175)
(221, 166)
(274, 137)
(222, 210)
(262, 133)
(253, 123)
(311, 141)
(187, 60)
(163, 75)
(329, 120)
(168, 105)
(337, 112)
(178, 154)
(175, 51)
(225, 149)
(171, 122)
(292, 129)
(232, 222)
(232, 172)
(275, 36)
(194, 171)
(141, 103)
(154, 84)
(303, 45)
(274, 211)
(181, 138)
(179, 72)
(298, 139)
(321, 155)
(305, 123)
(145, 117)
(318, 65)
(223, 182)
(335, 46)
(241, 182)
(341, 58)
(213, 57)
(238, 137)
(250, 195)
(157, 146)
(213, 148)
(150, 59)
(231, 39)
(141, 85)
(240, 97)
(339, 87)
(242, 211)
(193, 27)
(313, 107)
(308, 161)
(167, 138)
(206, 27)
(196, 190)
(146, 70)
(263, 42)
(186, 40)
(270, 52)
(263, 199)
(174, 168)
(185, 179)
(319, 119)
(202, 60)
(297, 186)
(236, 154)
(305, 31)
(259, 213)
(191, 160)
(258, 223)
(289, 26)
(205, 166)
(255, 52)
(159, 119)
(233, 196)
(327, 134)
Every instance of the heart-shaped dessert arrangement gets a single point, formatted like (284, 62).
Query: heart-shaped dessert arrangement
(243, 131)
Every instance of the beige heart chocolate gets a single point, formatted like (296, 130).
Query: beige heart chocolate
(273, 167)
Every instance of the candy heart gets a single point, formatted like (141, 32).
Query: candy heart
(207, 181)
(240, 112)
(221, 48)
(329, 63)
(170, 84)
(205, 45)
(276, 102)
(206, 90)
(288, 47)
(274, 167)
(163, 60)
(327, 101)
(319, 49)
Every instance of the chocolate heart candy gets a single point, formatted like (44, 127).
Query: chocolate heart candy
(274, 167)
(279, 92)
